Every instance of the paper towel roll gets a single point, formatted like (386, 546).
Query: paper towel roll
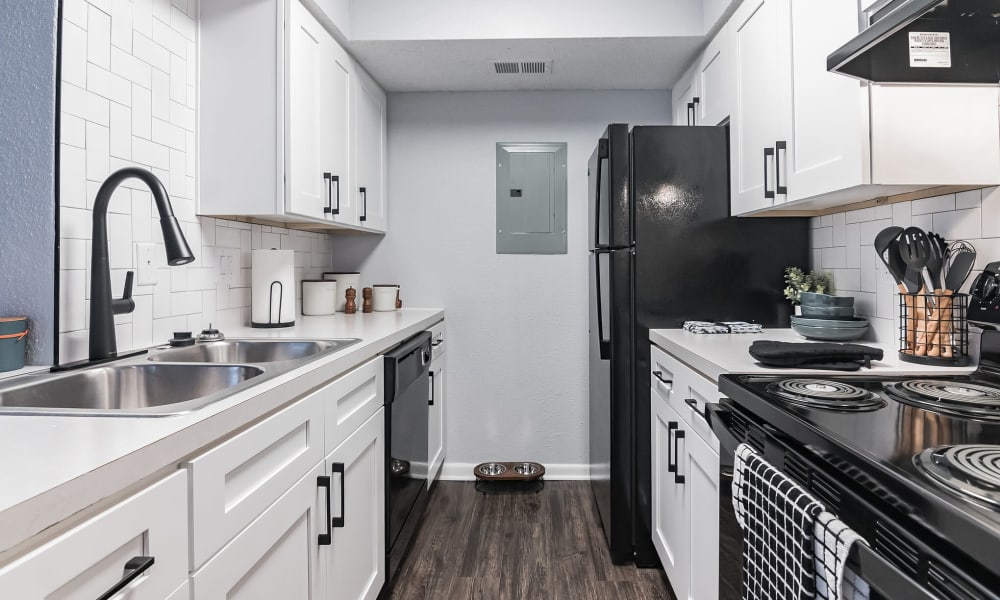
(272, 288)
(344, 281)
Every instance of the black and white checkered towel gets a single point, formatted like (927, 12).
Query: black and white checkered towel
(793, 549)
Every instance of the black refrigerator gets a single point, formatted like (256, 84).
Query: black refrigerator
(663, 250)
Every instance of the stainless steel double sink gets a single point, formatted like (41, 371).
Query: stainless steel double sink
(167, 381)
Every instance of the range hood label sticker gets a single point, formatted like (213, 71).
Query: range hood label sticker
(930, 49)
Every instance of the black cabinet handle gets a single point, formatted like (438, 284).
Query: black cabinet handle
(672, 429)
(778, 148)
(325, 539)
(690, 113)
(329, 194)
(659, 375)
(431, 401)
(768, 154)
(693, 110)
(364, 204)
(694, 406)
(678, 478)
(332, 179)
(339, 469)
(437, 343)
(136, 566)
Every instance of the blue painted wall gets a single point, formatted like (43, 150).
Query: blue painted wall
(27, 169)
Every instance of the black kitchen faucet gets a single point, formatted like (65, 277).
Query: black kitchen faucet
(103, 306)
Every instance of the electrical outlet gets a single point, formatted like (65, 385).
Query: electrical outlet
(145, 261)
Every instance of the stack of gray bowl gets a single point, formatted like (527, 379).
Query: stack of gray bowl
(828, 318)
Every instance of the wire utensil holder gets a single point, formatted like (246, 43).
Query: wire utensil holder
(933, 328)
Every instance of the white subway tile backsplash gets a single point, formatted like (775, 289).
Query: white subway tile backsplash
(839, 224)
(870, 229)
(847, 280)
(883, 211)
(925, 222)
(991, 212)
(857, 216)
(933, 205)
(968, 199)
(901, 216)
(134, 104)
(958, 224)
(834, 258)
(822, 237)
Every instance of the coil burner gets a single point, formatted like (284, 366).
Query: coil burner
(969, 470)
(959, 398)
(829, 395)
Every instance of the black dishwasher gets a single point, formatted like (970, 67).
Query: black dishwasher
(407, 396)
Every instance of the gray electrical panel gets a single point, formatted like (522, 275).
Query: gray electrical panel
(531, 198)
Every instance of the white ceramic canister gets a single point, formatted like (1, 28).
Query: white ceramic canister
(344, 281)
(384, 296)
(319, 296)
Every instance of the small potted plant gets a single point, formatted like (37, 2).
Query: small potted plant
(798, 281)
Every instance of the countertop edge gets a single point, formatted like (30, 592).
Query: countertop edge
(31, 523)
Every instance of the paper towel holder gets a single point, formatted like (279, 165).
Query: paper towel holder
(270, 309)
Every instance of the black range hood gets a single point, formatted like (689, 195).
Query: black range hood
(899, 46)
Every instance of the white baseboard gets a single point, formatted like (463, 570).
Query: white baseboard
(452, 471)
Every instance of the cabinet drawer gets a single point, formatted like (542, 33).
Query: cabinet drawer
(350, 400)
(437, 340)
(665, 373)
(688, 392)
(233, 484)
(88, 560)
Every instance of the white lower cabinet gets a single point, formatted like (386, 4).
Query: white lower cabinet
(147, 531)
(355, 560)
(435, 435)
(277, 556)
(685, 479)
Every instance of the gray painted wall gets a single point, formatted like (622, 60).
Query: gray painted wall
(27, 168)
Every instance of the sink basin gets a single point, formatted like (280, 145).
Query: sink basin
(125, 390)
(251, 351)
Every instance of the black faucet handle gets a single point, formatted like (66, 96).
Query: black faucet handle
(125, 304)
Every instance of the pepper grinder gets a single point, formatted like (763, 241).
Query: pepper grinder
(351, 306)
(366, 307)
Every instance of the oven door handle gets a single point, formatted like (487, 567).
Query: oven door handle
(715, 415)
(885, 577)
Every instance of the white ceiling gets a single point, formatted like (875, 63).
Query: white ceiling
(620, 63)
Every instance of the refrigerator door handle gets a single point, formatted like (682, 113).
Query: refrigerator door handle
(604, 345)
(602, 155)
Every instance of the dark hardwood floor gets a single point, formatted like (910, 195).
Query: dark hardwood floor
(546, 546)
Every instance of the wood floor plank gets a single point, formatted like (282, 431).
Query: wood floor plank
(546, 546)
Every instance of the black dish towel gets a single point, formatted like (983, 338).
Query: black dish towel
(820, 355)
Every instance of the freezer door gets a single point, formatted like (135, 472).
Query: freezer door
(609, 219)
(610, 396)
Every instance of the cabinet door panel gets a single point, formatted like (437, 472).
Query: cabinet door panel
(436, 434)
(370, 154)
(829, 111)
(238, 480)
(308, 190)
(336, 125)
(670, 528)
(713, 82)
(89, 559)
(682, 95)
(356, 559)
(351, 400)
(276, 556)
(701, 473)
(756, 100)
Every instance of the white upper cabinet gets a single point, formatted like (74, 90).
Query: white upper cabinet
(712, 79)
(370, 150)
(756, 103)
(804, 140)
(279, 119)
(683, 97)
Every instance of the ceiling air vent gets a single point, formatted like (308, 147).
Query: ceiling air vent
(521, 67)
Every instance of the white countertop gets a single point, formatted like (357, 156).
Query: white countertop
(715, 354)
(54, 467)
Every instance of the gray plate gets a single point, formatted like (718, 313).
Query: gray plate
(851, 323)
(829, 335)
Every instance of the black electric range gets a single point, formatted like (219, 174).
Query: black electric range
(911, 463)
